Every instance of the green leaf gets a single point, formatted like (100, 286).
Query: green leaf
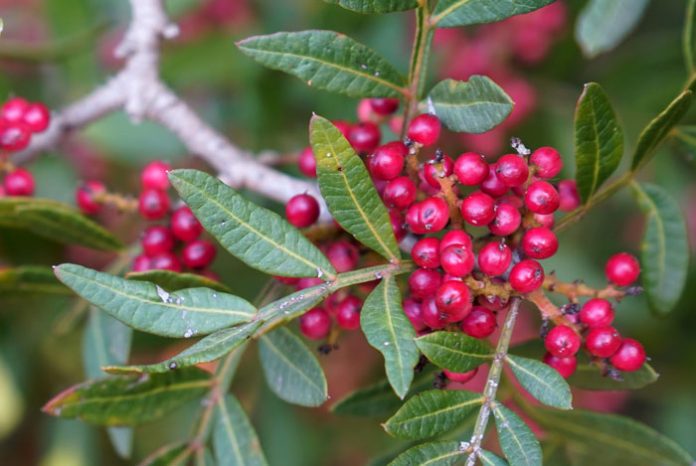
(31, 280)
(589, 377)
(603, 24)
(452, 13)
(129, 400)
(489, 459)
(689, 37)
(388, 330)
(375, 6)
(349, 191)
(454, 351)
(599, 140)
(473, 106)
(291, 369)
(55, 221)
(658, 129)
(174, 281)
(541, 381)
(147, 307)
(519, 444)
(176, 454)
(293, 305)
(611, 440)
(430, 454)
(327, 60)
(432, 413)
(255, 235)
(664, 250)
(234, 440)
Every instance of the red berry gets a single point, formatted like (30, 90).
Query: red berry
(492, 185)
(547, 162)
(424, 129)
(428, 216)
(455, 238)
(506, 221)
(526, 276)
(457, 260)
(544, 220)
(478, 208)
(460, 377)
(14, 137)
(307, 163)
(426, 253)
(364, 137)
(19, 182)
(399, 192)
(471, 169)
(412, 309)
(185, 226)
(165, 261)
(597, 312)
(541, 198)
(424, 283)
(397, 224)
(431, 314)
(302, 210)
(198, 254)
(622, 269)
(290, 281)
(141, 264)
(629, 357)
(36, 117)
(365, 112)
(343, 255)
(153, 204)
(480, 323)
(343, 126)
(539, 243)
(308, 282)
(348, 313)
(85, 197)
(565, 366)
(512, 170)
(602, 341)
(315, 324)
(156, 240)
(494, 258)
(384, 106)
(453, 298)
(154, 175)
(568, 195)
(388, 160)
(434, 171)
(492, 302)
(562, 341)
(13, 110)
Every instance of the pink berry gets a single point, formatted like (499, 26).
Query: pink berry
(506, 221)
(165, 261)
(348, 313)
(512, 170)
(602, 341)
(153, 204)
(412, 309)
(14, 137)
(541, 198)
(154, 176)
(480, 323)
(364, 137)
(37, 117)
(544, 220)
(426, 253)
(428, 216)
(494, 258)
(343, 255)
(455, 238)
(156, 240)
(526, 276)
(19, 182)
(388, 160)
(198, 254)
(431, 315)
(597, 312)
(539, 243)
(185, 226)
(460, 377)
(453, 298)
(457, 260)
(562, 341)
(569, 198)
(13, 110)
(493, 185)
(343, 126)
(471, 169)
(302, 210)
(565, 366)
(424, 129)
(86, 197)
(629, 357)
(384, 106)
(478, 209)
(307, 163)
(399, 192)
(315, 324)
(424, 282)
(547, 162)
(622, 269)
(141, 264)
(434, 171)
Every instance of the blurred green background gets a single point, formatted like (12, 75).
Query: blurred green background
(261, 109)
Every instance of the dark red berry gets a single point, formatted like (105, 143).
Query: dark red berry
(471, 169)
(14, 137)
(457, 260)
(629, 357)
(165, 261)
(460, 377)
(412, 309)
(492, 185)
(302, 210)
(308, 282)
(86, 197)
(541, 198)
(307, 163)
(622, 269)
(343, 126)
(426, 253)
(506, 221)
(539, 243)
(478, 209)
(19, 182)
(384, 106)
(397, 223)
(364, 137)
(388, 160)
(141, 264)
(343, 255)
(156, 240)
(399, 192)
(597, 312)
(546, 161)
(480, 323)
(185, 226)
(453, 298)
(493, 302)
(431, 314)
(424, 283)
(13, 110)
(564, 366)
(36, 117)
(526, 276)
(562, 341)
(315, 324)
(290, 281)
(198, 254)
(494, 258)
(428, 216)
(154, 175)
(435, 170)
(348, 313)
(424, 129)
(602, 341)
(512, 170)
(153, 204)
(455, 238)
(568, 195)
